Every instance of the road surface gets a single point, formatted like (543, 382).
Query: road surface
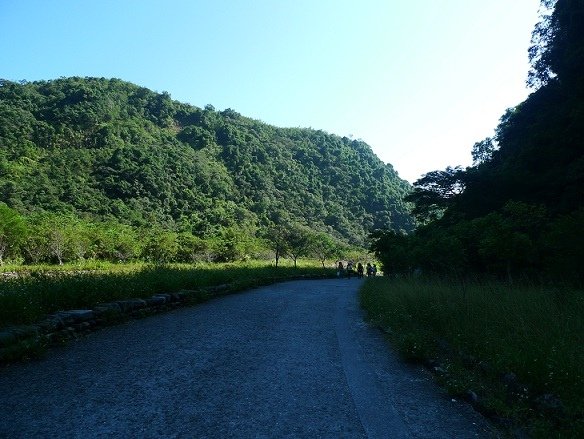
(292, 360)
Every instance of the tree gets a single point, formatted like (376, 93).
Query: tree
(505, 250)
(35, 246)
(323, 246)
(12, 230)
(161, 246)
(298, 239)
(439, 250)
(116, 242)
(517, 211)
(393, 250)
(564, 248)
(542, 37)
(191, 248)
(235, 243)
(277, 238)
(57, 243)
(435, 192)
(483, 151)
(557, 44)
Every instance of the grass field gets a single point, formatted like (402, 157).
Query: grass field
(517, 352)
(27, 294)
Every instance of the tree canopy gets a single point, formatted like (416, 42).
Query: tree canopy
(518, 210)
(106, 150)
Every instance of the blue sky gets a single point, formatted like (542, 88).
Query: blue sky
(419, 80)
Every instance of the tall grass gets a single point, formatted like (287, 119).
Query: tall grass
(33, 294)
(536, 333)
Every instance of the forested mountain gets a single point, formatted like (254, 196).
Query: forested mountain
(107, 149)
(519, 210)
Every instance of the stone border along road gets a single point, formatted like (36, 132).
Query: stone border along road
(288, 360)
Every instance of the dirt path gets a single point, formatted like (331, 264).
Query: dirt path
(289, 360)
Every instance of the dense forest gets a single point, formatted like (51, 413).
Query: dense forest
(94, 167)
(518, 212)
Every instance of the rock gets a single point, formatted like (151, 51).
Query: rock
(57, 321)
(61, 336)
(511, 382)
(156, 301)
(50, 324)
(509, 378)
(387, 330)
(183, 295)
(25, 331)
(514, 388)
(82, 327)
(439, 370)
(431, 364)
(219, 288)
(551, 405)
(107, 309)
(166, 297)
(7, 338)
(484, 367)
(471, 397)
(131, 304)
(76, 316)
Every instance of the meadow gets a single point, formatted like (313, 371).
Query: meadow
(516, 352)
(28, 293)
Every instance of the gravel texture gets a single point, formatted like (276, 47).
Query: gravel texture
(289, 360)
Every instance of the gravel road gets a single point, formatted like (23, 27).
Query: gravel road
(293, 360)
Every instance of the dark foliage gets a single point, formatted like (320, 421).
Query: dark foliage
(517, 212)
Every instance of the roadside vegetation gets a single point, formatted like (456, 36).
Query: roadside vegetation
(30, 293)
(515, 352)
(503, 326)
(51, 262)
(56, 239)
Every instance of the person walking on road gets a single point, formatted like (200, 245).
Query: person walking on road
(349, 269)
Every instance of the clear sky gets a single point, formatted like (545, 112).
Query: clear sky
(419, 80)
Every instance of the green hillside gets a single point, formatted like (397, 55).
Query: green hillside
(108, 150)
